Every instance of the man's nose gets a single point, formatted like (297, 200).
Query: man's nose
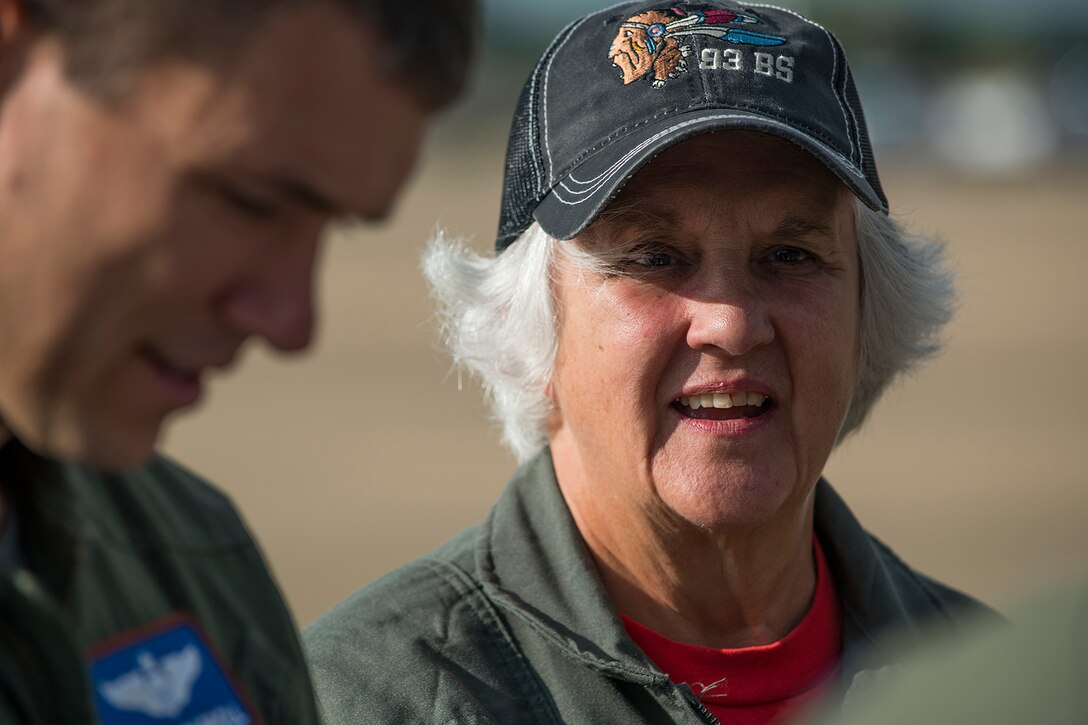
(276, 299)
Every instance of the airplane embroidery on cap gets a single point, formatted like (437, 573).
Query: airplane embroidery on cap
(652, 41)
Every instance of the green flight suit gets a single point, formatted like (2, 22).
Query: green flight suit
(109, 558)
(509, 623)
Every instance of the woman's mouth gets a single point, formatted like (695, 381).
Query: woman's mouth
(723, 406)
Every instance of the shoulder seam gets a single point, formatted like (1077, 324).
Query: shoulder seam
(473, 594)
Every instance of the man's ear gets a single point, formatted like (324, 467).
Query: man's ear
(15, 40)
(13, 20)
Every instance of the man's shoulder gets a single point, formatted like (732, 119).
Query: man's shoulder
(158, 551)
(161, 505)
(991, 674)
(170, 540)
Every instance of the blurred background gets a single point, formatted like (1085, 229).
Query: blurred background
(370, 450)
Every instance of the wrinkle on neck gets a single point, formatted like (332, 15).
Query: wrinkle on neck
(722, 594)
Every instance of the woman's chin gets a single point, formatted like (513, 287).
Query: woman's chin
(725, 503)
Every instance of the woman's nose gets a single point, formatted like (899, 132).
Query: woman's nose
(734, 320)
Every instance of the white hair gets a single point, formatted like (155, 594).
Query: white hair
(907, 297)
(498, 318)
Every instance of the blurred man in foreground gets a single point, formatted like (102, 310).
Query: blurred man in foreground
(1032, 672)
(166, 171)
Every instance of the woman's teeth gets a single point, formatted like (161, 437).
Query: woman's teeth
(723, 400)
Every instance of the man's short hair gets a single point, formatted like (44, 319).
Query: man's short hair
(428, 44)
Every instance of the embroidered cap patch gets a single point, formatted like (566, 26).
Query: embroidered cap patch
(165, 675)
(653, 43)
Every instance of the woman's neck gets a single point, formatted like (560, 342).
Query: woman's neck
(710, 589)
(713, 588)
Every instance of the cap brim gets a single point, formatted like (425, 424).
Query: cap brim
(582, 194)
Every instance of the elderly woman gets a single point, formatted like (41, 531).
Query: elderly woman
(698, 291)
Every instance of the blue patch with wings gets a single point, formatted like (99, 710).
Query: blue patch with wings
(165, 674)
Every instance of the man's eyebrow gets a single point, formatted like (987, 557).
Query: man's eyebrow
(303, 194)
(299, 192)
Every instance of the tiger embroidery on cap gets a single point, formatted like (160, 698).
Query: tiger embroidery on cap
(652, 41)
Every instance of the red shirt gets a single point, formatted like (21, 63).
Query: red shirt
(763, 684)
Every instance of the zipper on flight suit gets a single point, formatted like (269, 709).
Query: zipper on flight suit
(700, 708)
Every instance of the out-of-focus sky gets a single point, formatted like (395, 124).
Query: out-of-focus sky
(989, 88)
(1008, 13)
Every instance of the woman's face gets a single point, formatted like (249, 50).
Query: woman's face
(732, 280)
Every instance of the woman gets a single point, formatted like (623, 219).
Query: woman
(697, 293)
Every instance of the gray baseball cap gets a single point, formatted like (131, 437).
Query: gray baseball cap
(620, 85)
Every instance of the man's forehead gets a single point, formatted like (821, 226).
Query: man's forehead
(332, 132)
(352, 131)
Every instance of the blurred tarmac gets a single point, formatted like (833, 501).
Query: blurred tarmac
(366, 452)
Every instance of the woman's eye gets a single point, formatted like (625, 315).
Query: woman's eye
(790, 256)
(792, 259)
(653, 260)
(642, 258)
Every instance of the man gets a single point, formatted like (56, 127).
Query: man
(166, 171)
(989, 675)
